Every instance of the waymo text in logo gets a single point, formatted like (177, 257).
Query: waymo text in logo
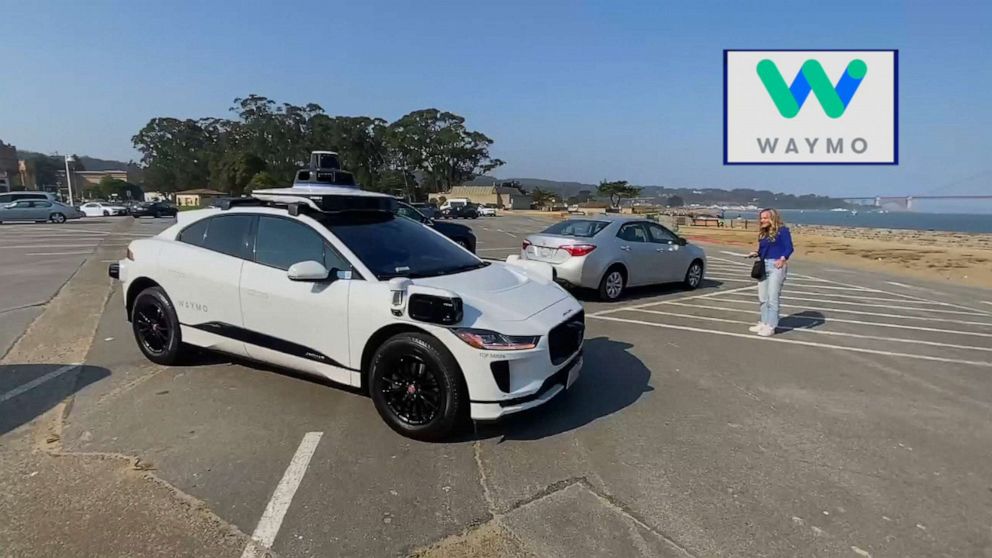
(839, 108)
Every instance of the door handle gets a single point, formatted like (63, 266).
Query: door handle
(255, 293)
(625, 248)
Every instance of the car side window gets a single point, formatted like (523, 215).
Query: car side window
(660, 234)
(228, 234)
(281, 243)
(22, 205)
(409, 213)
(194, 233)
(632, 232)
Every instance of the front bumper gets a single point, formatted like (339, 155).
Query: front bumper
(504, 382)
(553, 386)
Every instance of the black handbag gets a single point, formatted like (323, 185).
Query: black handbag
(758, 269)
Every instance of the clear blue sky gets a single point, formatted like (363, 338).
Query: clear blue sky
(568, 90)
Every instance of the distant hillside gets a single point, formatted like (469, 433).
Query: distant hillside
(702, 196)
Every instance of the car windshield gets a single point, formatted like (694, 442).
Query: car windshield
(577, 227)
(392, 247)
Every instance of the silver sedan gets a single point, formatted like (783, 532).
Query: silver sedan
(611, 253)
(38, 210)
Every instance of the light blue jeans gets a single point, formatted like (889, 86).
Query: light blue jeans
(769, 290)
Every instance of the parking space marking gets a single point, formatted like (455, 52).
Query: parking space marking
(867, 297)
(23, 388)
(511, 249)
(839, 320)
(738, 279)
(268, 526)
(753, 337)
(870, 305)
(59, 253)
(879, 314)
(816, 331)
(704, 295)
(40, 245)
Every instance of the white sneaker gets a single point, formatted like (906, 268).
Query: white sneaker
(766, 331)
(756, 327)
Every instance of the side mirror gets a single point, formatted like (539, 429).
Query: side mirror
(681, 241)
(308, 271)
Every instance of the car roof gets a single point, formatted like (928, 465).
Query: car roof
(613, 217)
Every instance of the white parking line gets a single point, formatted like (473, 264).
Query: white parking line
(867, 298)
(738, 254)
(817, 331)
(797, 342)
(789, 297)
(840, 320)
(36, 382)
(905, 286)
(879, 324)
(42, 245)
(512, 249)
(59, 253)
(268, 527)
(705, 295)
(732, 279)
(879, 314)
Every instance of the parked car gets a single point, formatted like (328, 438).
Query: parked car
(612, 253)
(40, 211)
(427, 209)
(459, 233)
(487, 210)
(467, 211)
(154, 209)
(340, 286)
(10, 197)
(99, 208)
(453, 202)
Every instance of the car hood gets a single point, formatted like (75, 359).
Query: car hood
(499, 292)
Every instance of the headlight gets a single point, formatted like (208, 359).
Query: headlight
(492, 341)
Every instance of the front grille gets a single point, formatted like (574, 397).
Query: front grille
(566, 338)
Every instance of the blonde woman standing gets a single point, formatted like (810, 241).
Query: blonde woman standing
(774, 249)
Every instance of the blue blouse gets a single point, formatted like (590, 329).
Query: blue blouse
(781, 247)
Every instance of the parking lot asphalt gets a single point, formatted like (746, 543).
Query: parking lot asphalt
(862, 429)
(37, 259)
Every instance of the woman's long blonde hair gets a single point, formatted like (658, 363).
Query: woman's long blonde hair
(777, 223)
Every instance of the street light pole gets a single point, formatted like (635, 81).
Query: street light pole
(68, 178)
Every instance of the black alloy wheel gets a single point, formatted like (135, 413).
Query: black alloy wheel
(156, 326)
(416, 386)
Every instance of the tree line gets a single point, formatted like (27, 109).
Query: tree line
(427, 150)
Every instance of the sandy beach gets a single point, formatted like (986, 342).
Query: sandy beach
(959, 258)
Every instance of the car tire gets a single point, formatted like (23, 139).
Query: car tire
(106, 213)
(612, 284)
(694, 275)
(57, 218)
(157, 215)
(463, 244)
(411, 373)
(156, 327)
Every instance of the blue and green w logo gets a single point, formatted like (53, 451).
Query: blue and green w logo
(811, 77)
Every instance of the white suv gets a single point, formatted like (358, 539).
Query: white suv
(329, 281)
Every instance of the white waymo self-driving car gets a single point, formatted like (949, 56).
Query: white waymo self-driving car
(327, 280)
